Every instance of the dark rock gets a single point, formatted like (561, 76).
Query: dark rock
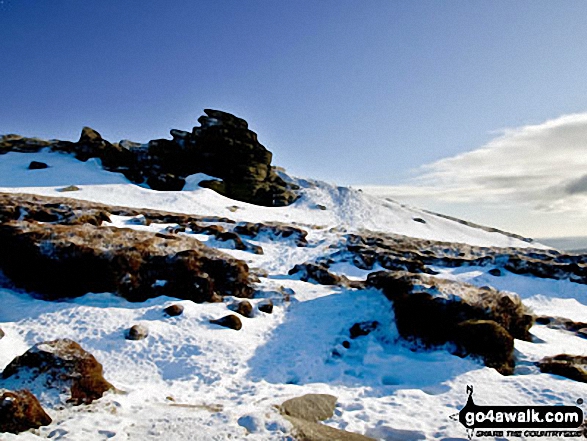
(346, 344)
(490, 341)
(35, 165)
(69, 188)
(363, 328)
(543, 320)
(230, 321)
(419, 219)
(495, 272)
(266, 306)
(245, 309)
(174, 310)
(480, 323)
(310, 407)
(77, 259)
(20, 411)
(273, 231)
(2, 334)
(318, 273)
(565, 365)
(137, 332)
(61, 364)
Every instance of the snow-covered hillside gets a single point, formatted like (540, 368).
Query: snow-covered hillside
(193, 380)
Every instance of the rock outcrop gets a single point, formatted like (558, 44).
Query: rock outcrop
(222, 147)
(20, 411)
(565, 365)
(71, 260)
(477, 321)
(63, 365)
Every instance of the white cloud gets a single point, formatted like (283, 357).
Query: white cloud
(543, 167)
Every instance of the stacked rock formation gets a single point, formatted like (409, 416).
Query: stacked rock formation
(222, 147)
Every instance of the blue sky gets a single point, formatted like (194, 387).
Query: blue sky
(359, 93)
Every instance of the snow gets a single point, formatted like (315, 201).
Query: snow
(191, 380)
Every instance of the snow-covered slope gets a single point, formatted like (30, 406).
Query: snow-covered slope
(321, 204)
(192, 380)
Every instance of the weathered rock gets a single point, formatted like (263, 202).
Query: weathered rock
(304, 413)
(565, 365)
(67, 261)
(477, 321)
(245, 309)
(274, 231)
(219, 148)
(230, 321)
(137, 332)
(20, 411)
(490, 341)
(310, 407)
(266, 306)
(64, 365)
(174, 310)
(36, 165)
(318, 273)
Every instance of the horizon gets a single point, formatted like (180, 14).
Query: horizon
(472, 110)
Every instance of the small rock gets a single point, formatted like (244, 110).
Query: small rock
(363, 328)
(230, 321)
(21, 411)
(174, 310)
(68, 188)
(245, 309)
(1, 333)
(310, 407)
(36, 165)
(137, 332)
(495, 272)
(419, 219)
(266, 306)
(346, 344)
(581, 333)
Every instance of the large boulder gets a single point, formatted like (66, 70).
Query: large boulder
(61, 364)
(477, 321)
(20, 411)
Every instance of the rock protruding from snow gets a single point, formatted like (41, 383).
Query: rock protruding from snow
(310, 407)
(137, 332)
(230, 321)
(305, 412)
(1, 333)
(222, 147)
(565, 365)
(20, 411)
(61, 364)
(479, 321)
(37, 165)
(174, 310)
(266, 306)
(72, 260)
